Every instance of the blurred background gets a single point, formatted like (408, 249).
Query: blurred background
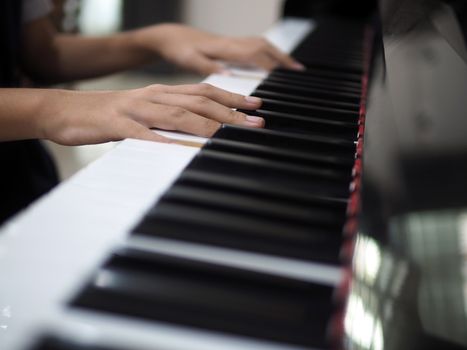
(104, 17)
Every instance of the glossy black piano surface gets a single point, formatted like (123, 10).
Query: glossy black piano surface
(408, 270)
(360, 166)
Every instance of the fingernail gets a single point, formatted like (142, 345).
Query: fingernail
(253, 100)
(298, 66)
(250, 119)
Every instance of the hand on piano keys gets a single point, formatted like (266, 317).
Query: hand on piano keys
(77, 118)
(198, 51)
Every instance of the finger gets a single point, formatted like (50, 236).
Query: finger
(221, 96)
(202, 64)
(284, 59)
(163, 116)
(208, 108)
(266, 61)
(130, 129)
(167, 117)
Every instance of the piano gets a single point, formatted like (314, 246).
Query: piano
(341, 225)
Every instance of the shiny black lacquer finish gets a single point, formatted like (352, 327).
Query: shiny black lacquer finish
(280, 191)
(408, 266)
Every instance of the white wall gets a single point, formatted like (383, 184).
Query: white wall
(100, 17)
(232, 17)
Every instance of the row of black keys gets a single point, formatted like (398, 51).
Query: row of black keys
(281, 190)
(325, 99)
(258, 197)
(193, 293)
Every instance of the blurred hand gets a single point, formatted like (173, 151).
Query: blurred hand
(198, 51)
(76, 118)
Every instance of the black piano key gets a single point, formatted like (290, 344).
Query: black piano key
(325, 73)
(313, 92)
(337, 52)
(310, 79)
(335, 92)
(263, 92)
(352, 44)
(349, 42)
(299, 124)
(56, 343)
(343, 56)
(257, 206)
(321, 73)
(328, 113)
(314, 179)
(232, 229)
(288, 141)
(212, 297)
(238, 231)
(312, 83)
(312, 158)
(353, 54)
(249, 186)
(238, 161)
(343, 65)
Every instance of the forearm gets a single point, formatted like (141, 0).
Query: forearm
(52, 57)
(85, 117)
(22, 112)
(85, 57)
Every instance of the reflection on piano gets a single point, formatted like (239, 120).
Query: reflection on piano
(298, 236)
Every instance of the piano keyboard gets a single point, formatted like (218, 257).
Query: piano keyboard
(242, 250)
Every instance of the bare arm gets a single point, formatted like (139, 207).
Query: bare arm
(76, 118)
(50, 56)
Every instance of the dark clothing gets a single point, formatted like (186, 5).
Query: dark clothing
(27, 170)
(10, 25)
(27, 173)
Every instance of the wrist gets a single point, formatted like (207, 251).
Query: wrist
(50, 107)
(149, 41)
(132, 46)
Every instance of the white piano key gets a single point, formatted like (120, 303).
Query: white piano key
(50, 249)
(289, 32)
(179, 136)
(236, 84)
